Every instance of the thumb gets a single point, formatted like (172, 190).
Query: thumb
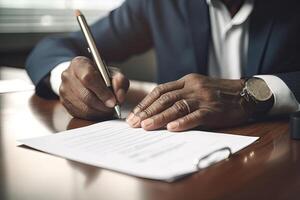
(120, 85)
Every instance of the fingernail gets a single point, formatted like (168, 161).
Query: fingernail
(130, 116)
(173, 125)
(110, 103)
(147, 123)
(134, 121)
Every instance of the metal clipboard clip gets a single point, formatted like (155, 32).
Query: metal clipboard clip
(213, 157)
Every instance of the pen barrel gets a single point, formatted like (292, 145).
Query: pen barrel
(94, 51)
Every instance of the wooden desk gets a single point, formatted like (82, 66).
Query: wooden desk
(268, 169)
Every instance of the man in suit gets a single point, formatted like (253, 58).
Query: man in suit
(220, 62)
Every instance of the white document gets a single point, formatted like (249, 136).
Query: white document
(159, 155)
(14, 85)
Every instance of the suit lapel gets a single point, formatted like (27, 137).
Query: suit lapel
(199, 26)
(259, 33)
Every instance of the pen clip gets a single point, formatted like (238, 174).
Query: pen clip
(201, 164)
(107, 70)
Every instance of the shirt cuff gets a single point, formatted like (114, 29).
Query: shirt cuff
(55, 76)
(284, 99)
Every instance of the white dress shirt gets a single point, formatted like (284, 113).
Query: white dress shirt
(55, 76)
(227, 54)
(229, 49)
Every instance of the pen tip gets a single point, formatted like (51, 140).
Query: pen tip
(77, 13)
(118, 111)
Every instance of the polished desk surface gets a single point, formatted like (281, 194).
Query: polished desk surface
(268, 169)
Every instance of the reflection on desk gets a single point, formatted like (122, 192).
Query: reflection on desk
(267, 170)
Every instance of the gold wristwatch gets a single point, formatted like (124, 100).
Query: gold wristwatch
(257, 98)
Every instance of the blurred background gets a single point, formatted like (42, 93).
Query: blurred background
(24, 22)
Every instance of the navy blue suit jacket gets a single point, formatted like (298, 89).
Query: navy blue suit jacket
(179, 30)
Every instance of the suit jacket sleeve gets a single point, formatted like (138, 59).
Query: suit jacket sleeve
(292, 80)
(124, 32)
(289, 26)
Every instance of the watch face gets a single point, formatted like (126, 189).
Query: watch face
(258, 89)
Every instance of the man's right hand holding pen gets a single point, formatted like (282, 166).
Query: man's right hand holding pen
(84, 93)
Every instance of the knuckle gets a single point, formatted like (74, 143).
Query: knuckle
(64, 75)
(199, 116)
(192, 76)
(155, 92)
(199, 84)
(80, 59)
(120, 80)
(166, 99)
(81, 62)
(197, 80)
(117, 75)
(158, 91)
(163, 118)
(87, 78)
(180, 107)
(163, 100)
(138, 108)
(146, 113)
(183, 121)
(140, 105)
(193, 116)
(90, 68)
(114, 70)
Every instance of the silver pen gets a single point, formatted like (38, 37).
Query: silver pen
(96, 55)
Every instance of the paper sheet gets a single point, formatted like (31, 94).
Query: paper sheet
(160, 155)
(14, 85)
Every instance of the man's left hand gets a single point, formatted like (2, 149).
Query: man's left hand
(192, 101)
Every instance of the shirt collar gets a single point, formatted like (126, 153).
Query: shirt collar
(241, 16)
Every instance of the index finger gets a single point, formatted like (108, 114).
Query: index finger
(90, 78)
(156, 93)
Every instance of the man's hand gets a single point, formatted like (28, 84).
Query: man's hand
(190, 102)
(84, 93)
